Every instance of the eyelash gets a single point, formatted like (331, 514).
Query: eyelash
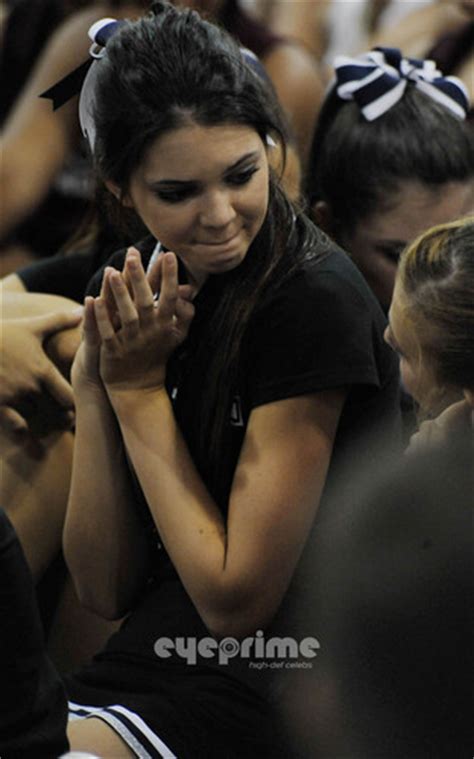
(179, 196)
(242, 177)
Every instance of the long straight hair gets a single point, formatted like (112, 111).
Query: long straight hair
(171, 69)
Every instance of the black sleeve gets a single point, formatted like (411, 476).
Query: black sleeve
(323, 330)
(117, 261)
(60, 275)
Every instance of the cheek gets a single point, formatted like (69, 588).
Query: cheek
(410, 379)
(256, 201)
(407, 376)
(379, 272)
(167, 222)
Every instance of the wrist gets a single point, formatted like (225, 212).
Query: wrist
(123, 398)
(87, 389)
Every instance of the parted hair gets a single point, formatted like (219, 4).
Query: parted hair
(436, 273)
(170, 69)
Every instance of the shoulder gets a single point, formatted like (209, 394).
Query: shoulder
(59, 275)
(327, 288)
(321, 329)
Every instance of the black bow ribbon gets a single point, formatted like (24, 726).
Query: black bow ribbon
(69, 86)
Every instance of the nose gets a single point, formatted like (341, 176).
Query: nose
(217, 209)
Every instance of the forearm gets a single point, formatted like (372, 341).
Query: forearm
(104, 544)
(23, 179)
(15, 304)
(188, 520)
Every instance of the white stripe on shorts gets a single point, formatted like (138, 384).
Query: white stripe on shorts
(112, 715)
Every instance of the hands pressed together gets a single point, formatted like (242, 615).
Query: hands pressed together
(128, 336)
(128, 333)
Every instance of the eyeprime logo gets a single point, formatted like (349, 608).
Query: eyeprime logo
(229, 648)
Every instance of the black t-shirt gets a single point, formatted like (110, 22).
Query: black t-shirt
(60, 275)
(322, 330)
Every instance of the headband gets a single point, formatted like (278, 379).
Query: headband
(82, 80)
(377, 81)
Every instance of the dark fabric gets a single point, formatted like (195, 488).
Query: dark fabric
(389, 588)
(29, 25)
(33, 708)
(451, 50)
(322, 330)
(250, 32)
(60, 275)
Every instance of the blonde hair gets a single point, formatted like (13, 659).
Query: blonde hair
(436, 275)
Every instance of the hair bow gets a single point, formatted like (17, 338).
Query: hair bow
(377, 80)
(71, 84)
(82, 79)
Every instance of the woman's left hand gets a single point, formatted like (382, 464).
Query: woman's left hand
(135, 349)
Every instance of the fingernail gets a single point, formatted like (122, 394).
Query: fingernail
(79, 311)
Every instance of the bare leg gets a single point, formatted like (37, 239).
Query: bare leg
(34, 486)
(96, 736)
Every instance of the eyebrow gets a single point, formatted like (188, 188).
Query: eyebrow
(192, 182)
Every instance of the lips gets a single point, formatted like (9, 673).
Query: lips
(218, 243)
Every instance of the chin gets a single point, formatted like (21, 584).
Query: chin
(226, 264)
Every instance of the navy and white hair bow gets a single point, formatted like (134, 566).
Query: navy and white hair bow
(82, 79)
(377, 80)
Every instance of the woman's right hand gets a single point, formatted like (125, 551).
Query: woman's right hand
(141, 333)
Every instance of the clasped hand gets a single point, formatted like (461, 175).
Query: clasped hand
(128, 334)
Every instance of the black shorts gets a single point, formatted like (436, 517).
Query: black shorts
(189, 712)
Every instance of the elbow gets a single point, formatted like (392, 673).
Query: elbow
(238, 621)
(100, 607)
(238, 627)
(96, 592)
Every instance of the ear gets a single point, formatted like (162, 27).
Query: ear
(124, 200)
(322, 215)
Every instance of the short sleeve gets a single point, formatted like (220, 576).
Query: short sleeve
(323, 330)
(59, 275)
(117, 260)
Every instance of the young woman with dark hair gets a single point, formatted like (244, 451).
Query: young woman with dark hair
(380, 175)
(228, 363)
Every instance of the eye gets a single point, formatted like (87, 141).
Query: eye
(175, 196)
(242, 177)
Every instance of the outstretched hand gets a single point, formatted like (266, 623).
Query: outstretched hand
(26, 371)
(138, 333)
